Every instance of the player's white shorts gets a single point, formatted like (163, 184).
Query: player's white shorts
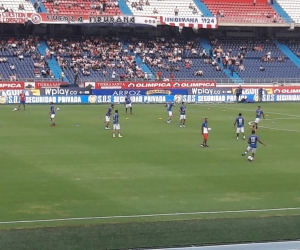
(128, 105)
(170, 113)
(253, 150)
(107, 118)
(52, 116)
(116, 126)
(240, 130)
(182, 117)
(257, 120)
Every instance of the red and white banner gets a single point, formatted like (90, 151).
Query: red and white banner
(190, 22)
(13, 17)
(151, 85)
(38, 18)
(15, 85)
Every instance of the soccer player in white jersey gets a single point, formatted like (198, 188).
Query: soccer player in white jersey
(239, 122)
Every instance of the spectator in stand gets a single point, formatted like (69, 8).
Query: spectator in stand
(155, 11)
(176, 11)
(172, 76)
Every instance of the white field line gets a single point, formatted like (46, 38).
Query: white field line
(152, 215)
(278, 129)
(250, 110)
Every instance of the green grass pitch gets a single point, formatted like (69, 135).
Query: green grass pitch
(71, 171)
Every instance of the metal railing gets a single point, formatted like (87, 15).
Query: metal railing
(275, 81)
(31, 79)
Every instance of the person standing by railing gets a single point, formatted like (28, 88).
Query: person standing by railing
(238, 93)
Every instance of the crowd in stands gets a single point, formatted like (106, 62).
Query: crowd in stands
(91, 7)
(167, 58)
(19, 58)
(95, 57)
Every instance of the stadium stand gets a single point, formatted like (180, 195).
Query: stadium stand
(16, 6)
(20, 59)
(255, 58)
(165, 7)
(103, 7)
(178, 58)
(243, 11)
(291, 7)
(104, 59)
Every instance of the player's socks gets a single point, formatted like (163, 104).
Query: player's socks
(244, 137)
(114, 135)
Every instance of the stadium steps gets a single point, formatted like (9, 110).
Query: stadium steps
(53, 65)
(124, 8)
(139, 61)
(144, 67)
(285, 49)
(203, 8)
(43, 9)
(235, 78)
(281, 12)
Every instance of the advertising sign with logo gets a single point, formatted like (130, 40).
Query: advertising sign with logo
(106, 99)
(133, 92)
(209, 91)
(151, 85)
(38, 85)
(65, 91)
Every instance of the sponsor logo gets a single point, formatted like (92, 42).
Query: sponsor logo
(177, 98)
(125, 92)
(92, 99)
(64, 91)
(158, 91)
(32, 92)
(209, 91)
(286, 91)
(2, 99)
(11, 85)
(48, 84)
(171, 84)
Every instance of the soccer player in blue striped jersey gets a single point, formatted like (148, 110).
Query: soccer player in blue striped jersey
(107, 115)
(239, 122)
(52, 114)
(128, 103)
(252, 144)
(116, 124)
(258, 114)
(182, 118)
(170, 106)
